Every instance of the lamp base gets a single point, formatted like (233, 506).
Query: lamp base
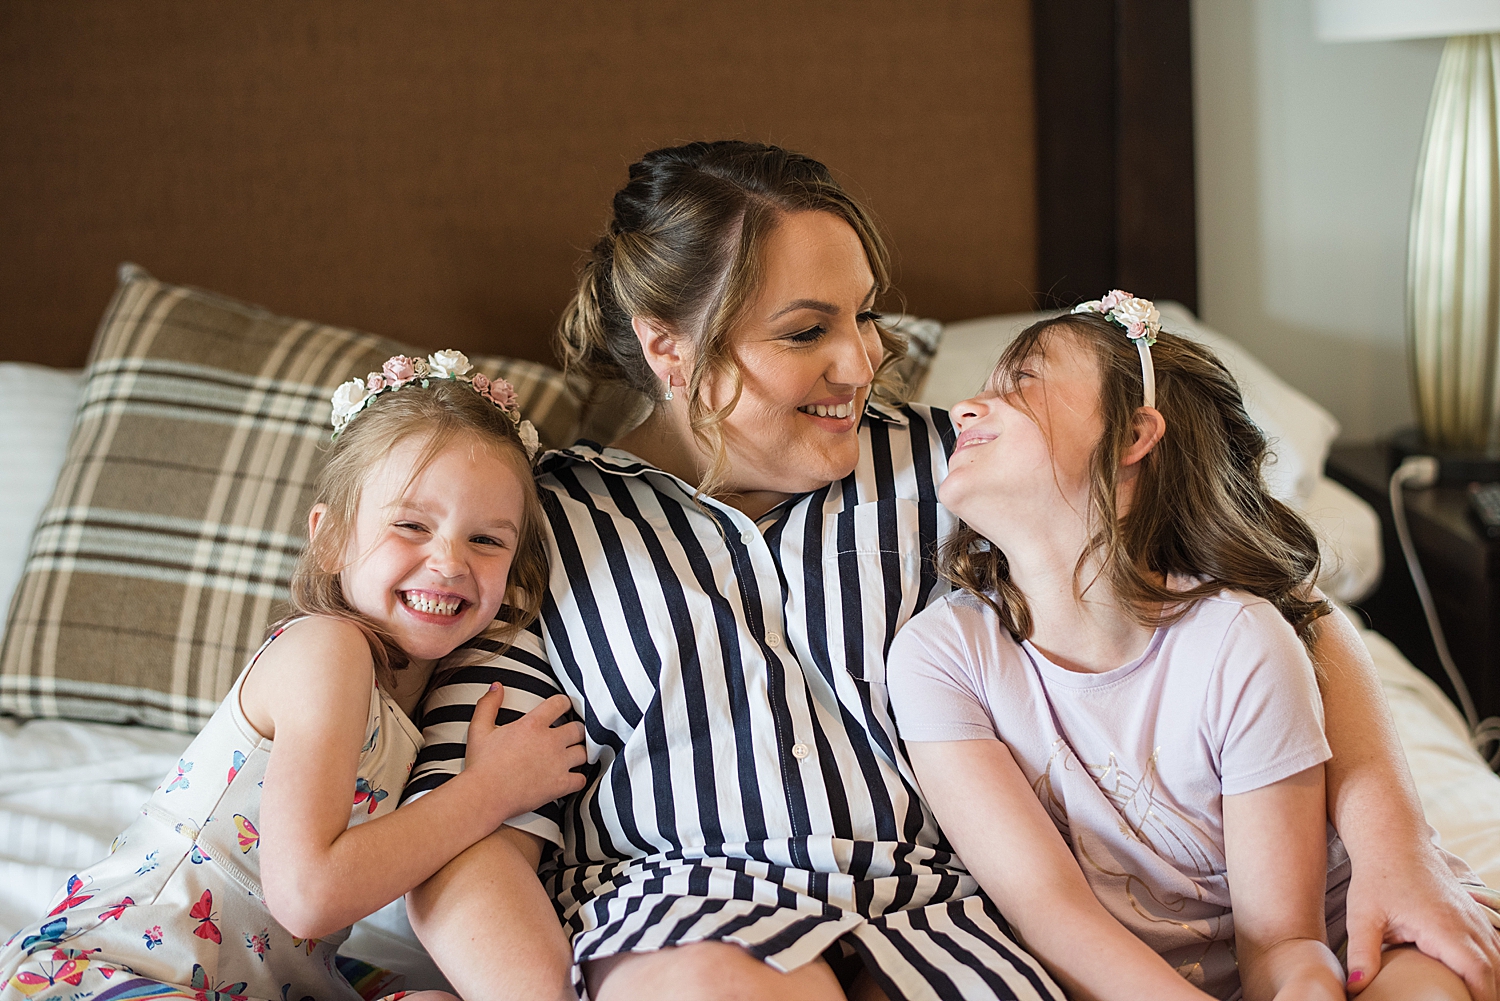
(1454, 465)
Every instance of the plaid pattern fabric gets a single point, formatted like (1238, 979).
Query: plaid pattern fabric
(169, 541)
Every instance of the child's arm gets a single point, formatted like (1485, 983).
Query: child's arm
(1276, 845)
(999, 828)
(319, 874)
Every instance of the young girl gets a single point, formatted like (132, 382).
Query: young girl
(1120, 665)
(277, 829)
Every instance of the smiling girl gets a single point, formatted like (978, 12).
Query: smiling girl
(277, 829)
(1114, 717)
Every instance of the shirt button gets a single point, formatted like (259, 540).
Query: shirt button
(747, 536)
(773, 639)
(800, 751)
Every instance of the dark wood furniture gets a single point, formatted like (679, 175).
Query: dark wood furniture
(1462, 568)
(434, 171)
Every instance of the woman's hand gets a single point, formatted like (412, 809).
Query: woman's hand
(1417, 900)
(1400, 890)
(521, 765)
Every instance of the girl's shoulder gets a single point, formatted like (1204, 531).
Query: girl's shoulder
(313, 658)
(957, 626)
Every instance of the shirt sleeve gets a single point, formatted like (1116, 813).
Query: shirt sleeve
(932, 690)
(1265, 710)
(448, 708)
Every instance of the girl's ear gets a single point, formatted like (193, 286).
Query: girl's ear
(661, 349)
(1147, 428)
(315, 518)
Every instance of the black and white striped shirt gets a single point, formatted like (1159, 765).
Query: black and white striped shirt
(746, 782)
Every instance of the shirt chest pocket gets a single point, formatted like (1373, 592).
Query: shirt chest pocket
(872, 574)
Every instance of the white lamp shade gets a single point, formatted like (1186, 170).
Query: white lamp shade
(1387, 20)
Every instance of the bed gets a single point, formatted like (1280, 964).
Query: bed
(430, 173)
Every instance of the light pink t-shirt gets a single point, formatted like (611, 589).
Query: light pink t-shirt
(1133, 764)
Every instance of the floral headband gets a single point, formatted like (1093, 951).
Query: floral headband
(1141, 322)
(400, 371)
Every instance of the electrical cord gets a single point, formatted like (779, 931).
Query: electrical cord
(1421, 472)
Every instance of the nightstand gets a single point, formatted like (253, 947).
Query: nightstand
(1462, 568)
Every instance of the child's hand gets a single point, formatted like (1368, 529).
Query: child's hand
(523, 764)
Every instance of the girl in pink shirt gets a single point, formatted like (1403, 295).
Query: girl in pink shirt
(1113, 717)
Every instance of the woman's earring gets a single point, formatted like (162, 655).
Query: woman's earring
(668, 394)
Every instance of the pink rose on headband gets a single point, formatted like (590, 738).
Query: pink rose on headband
(375, 382)
(399, 369)
(481, 383)
(503, 394)
(1115, 297)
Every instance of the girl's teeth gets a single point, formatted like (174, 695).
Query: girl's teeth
(432, 606)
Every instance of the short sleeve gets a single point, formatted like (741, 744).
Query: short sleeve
(1264, 707)
(932, 689)
(448, 708)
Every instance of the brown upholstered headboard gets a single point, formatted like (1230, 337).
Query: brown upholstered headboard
(432, 171)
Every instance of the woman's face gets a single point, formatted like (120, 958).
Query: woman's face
(807, 349)
(1026, 441)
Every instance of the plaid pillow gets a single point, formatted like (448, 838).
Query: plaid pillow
(169, 541)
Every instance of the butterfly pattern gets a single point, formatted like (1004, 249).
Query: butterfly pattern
(181, 781)
(177, 887)
(249, 837)
(206, 990)
(203, 913)
(72, 897)
(365, 793)
(62, 967)
(113, 913)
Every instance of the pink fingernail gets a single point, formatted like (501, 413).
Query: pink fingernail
(494, 686)
(1355, 976)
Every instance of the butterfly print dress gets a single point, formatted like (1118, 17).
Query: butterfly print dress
(176, 910)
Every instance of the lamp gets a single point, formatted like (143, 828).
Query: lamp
(1453, 243)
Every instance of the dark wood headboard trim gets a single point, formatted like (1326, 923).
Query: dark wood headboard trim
(1115, 188)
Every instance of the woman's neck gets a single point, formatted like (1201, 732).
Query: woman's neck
(665, 440)
(1091, 632)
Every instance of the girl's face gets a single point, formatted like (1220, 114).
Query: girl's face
(429, 562)
(807, 348)
(1024, 443)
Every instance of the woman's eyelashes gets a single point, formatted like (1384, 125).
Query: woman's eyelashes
(815, 333)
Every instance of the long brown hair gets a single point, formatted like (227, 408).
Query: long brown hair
(683, 247)
(441, 413)
(1200, 509)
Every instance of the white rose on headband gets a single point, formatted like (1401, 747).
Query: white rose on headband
(529, 438)
(1135, 314)
(347, 400)
(447, 364)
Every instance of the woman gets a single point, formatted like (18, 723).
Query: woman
(725, 583)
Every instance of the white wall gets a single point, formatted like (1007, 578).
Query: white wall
(1306, 154)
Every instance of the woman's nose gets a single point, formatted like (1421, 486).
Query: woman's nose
(853, 365)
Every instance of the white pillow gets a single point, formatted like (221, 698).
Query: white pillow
(1299, 430)
(36, 417)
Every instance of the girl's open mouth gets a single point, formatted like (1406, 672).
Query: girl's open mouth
(433, 602)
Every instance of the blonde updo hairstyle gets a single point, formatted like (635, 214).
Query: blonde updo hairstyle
(684, 248)
(443, 413)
